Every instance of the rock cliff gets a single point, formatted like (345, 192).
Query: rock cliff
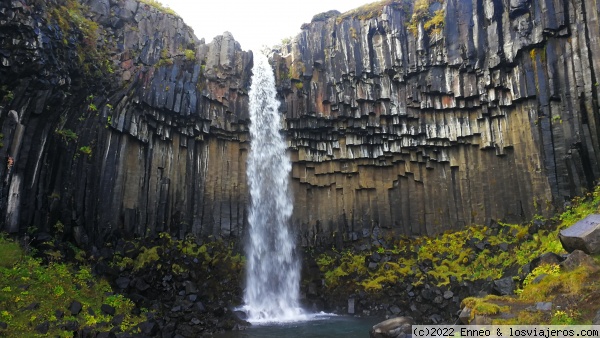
(400, 121)
(401, 118)
(117, 120)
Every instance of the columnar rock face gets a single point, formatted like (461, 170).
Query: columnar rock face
(391, 126)
(151, 138)
(116, 120)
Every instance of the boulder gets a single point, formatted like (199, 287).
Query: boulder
(504, 286)
(394, 327)
(543, 306)
(579, 258)
(583, 235)
(596, 320)
(545, 259)
(465, 316)
(108, 309)
(75, 307)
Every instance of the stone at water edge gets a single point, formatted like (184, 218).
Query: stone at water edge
(583, 235)
(393, 328)
(350, 306)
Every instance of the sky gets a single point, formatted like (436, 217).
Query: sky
(253, 23)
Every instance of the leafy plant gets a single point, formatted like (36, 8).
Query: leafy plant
(86, 150)
(190, 54)
(66, 134)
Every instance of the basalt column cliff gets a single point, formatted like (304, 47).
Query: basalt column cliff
(446, 114)
(117, 120)
(406, 117)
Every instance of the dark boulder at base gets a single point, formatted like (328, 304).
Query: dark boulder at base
(583, 235)
(393, 328)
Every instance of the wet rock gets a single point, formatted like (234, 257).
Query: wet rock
(395, 327)
(583, 235)
(351, 306)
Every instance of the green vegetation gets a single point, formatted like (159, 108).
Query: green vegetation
(190, 54)
(372, 10)
(483, 306)
(7, 95)
(414, 11)
(433, 24)
(66, 134)
(160, 7)
(69, 16)
(32, 293)
(86, 150)
(449, 256)
(210, 255)
(165, 60)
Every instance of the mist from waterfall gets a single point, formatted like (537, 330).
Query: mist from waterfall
(272, 267)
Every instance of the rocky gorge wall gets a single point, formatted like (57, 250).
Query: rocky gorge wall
(117, 121)
(407, 125)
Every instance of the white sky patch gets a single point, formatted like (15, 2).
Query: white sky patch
(253, 23)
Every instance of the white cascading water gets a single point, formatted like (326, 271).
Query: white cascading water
(272, 266)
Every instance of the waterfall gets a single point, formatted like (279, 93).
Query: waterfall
(272, 267)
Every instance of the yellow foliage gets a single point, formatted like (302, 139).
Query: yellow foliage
(147, 256)
(565, 282)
